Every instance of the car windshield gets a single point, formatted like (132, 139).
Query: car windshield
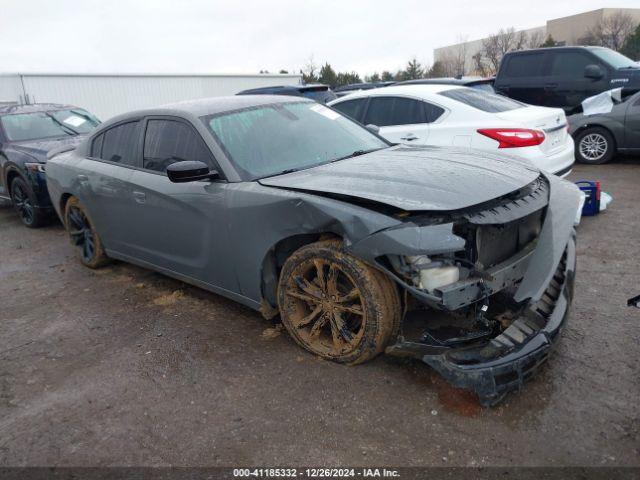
(270, 139)
(485, 101)
(615, 59)
(54, 123)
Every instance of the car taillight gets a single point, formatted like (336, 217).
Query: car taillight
(513, 137)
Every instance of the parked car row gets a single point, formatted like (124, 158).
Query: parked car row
(558, 77)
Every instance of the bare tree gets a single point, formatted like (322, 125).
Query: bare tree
(310, 71)
(480, 66)
(536, 39)
(459, 58)
(611, 31)
(487, 60)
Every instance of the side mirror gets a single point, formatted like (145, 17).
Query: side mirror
(190, 171)
(373, 128)
(594, 72)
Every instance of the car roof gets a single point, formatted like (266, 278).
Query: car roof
(32, 108)
(557, 49)
(446, 81)
(285, 88)
(209, 106)
(416, 90)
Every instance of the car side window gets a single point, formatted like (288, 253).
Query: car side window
(432, 112)
(96, 146)
(385, 111)
(170, 141)
(352, 108)
(118, 144)
(570, 64)
(525, 65)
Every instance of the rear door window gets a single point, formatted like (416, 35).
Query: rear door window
(352, 108)
(386, 111)
(170, 141)
(432, 112)
(119, 144)
(485, 101)
(525, 65)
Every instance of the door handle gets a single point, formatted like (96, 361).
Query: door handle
(82, 178)
(409, 137)
(139, 197)
(550, 86)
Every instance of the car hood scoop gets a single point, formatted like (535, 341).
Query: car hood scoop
(415, 178)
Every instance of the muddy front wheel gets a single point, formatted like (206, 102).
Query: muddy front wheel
(83, 235)
(335, 305)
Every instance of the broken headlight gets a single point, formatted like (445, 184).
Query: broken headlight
(428, 273)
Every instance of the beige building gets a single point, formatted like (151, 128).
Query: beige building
(565, 31)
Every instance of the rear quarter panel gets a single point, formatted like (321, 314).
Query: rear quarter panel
(60, 172)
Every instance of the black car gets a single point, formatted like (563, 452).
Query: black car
(599, 136)
(343, 90)
(318, 92)
(564, 76)
(479, 83)
(27, 134)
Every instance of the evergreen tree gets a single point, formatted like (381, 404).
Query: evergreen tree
(631, 47)
(549, 42)
(328, 75)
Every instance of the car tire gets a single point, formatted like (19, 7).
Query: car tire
(83, 235)
(335, 305)
(595, 146)
(25, 203)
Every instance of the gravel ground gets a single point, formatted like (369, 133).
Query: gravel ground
(122, 366)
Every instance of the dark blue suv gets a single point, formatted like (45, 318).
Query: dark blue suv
(318, 92)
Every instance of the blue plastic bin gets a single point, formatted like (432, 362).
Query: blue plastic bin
(592, 191)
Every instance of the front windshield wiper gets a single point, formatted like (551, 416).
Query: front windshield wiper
(283, 172)
(62, 125)
(356, 153)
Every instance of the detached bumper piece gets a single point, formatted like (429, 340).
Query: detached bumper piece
(518, 352)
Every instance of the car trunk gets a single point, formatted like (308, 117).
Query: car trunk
(552, 121)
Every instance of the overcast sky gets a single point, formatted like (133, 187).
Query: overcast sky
(213, 36)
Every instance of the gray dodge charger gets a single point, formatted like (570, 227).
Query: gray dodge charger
(462, 259)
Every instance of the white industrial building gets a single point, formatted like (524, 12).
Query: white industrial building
(106, 95)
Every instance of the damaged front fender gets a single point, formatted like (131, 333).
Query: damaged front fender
(409, 239)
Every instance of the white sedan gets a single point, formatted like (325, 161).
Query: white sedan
(465, 117)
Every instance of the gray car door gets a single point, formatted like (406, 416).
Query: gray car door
(180, 227)
(103, 181)
(632, 123)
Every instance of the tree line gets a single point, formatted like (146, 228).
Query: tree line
(325, 74)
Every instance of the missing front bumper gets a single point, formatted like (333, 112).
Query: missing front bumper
(526, 344)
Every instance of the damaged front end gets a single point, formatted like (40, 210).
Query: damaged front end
(501, 273)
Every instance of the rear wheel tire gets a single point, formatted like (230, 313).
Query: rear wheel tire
(335, 305)
(25, 203)
(83, 235)
(595, 146)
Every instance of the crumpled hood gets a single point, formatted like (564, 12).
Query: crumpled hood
(415, 178)
(38, 149)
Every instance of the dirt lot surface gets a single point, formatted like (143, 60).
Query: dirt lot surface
(122, 366)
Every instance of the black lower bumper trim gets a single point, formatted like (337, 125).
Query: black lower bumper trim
(494, 378)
